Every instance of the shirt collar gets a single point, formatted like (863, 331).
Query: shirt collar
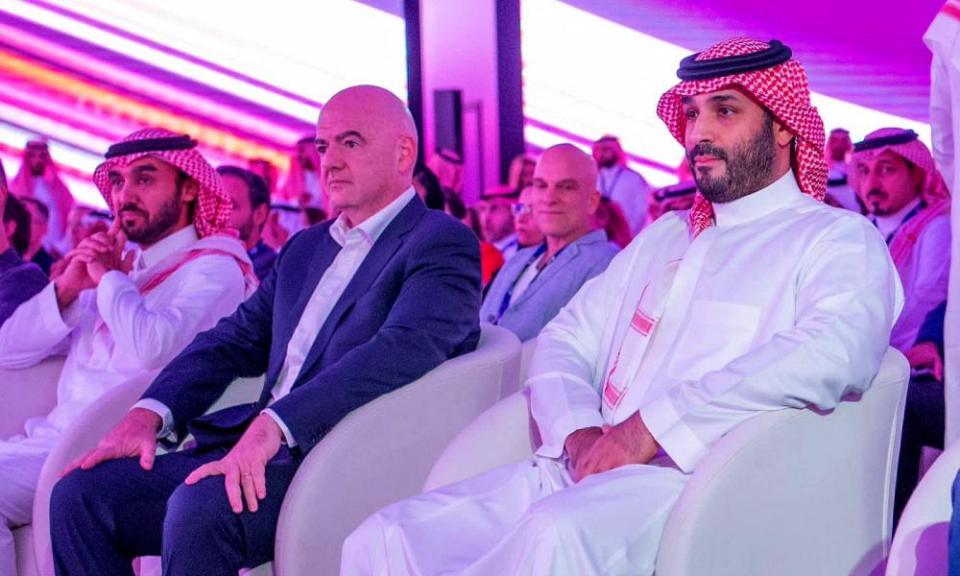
(505, 242)
(780, 193)
(889, 224)
(371, 228)
(172, 243)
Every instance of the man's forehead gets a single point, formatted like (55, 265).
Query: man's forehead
(726, 94)
(344, 117)
(559, 167)
(145, 163)
(889, 157)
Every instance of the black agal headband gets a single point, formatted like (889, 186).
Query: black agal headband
(891, 140)
(150, 145)
(693, 69)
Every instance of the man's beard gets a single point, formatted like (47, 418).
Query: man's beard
(607, 161)
(155, 226)
(246, 230)
(748, 168)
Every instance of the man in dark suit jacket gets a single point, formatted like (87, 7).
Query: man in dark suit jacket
(355, 308)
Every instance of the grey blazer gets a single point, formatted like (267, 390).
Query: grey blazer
(580, 261)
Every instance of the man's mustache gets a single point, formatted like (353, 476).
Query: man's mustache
(131, 208)
(704, 149)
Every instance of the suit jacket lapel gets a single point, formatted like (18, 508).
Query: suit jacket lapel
(552, 269)
(375, 262)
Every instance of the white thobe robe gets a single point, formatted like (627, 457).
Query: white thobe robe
(629, 190)
(110, 334)
(943, 39)
(784, 303)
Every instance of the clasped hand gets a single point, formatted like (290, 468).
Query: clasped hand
(85, 265)
(103, 252)
(595, 450)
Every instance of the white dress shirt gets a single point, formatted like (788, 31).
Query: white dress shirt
(356, 243)
(785, 302)
(113, 333)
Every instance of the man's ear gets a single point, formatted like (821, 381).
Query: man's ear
(782, 134)
(189, 191)
(260, 214)
(595, 198)
(406, 154)
(917, 177)
(10, 228)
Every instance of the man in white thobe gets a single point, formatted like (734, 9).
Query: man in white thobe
(122, 317)
(620, 183)
(759, 298)
(907, 199)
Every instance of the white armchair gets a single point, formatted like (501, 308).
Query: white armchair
(26, 394)
(920, 543)
(84, 434)
(383, 451)
(379, 453)
(787, 492)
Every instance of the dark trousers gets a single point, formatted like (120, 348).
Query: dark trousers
(953, 548)
(102, 518)
(923, 425)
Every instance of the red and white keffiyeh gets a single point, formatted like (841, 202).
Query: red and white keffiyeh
(782, 89)
(214, 207)
(212, 217)
(934, 191)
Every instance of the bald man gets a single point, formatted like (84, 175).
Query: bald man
(539, 280)
(356, 308)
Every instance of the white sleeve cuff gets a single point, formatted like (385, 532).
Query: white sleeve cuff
(291, 442)
(675, 438)
(111, 285)
(51, 319)
(554, 439)
(161, 410)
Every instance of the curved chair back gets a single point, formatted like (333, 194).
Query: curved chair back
(795, 491)
(502, 435)
(920, 544)
(382, 452)
(27, 393)
(86, 431)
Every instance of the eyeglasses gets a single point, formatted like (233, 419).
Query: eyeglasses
(519, 209)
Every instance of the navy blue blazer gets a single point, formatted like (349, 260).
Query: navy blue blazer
(413, 303)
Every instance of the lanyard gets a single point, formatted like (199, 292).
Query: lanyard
(916, 210)
(606, 191)
(505, 303)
